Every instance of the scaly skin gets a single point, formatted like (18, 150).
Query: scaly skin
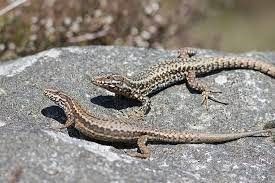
(119, 130)
(184, 68)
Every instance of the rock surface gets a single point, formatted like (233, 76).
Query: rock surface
(33, 152)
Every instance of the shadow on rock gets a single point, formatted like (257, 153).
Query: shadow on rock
(55, 113)
(58, 114)
(115, 102)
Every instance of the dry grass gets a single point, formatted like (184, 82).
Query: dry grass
(228, 25)
(38, 25)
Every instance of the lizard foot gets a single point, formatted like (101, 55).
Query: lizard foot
(134, 115)
(206, 96)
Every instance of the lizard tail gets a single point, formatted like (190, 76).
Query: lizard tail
(257, 65)
(207, 138)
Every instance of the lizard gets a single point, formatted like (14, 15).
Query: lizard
(186, 68)
(119, 130)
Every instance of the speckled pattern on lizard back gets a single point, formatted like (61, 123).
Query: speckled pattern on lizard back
(184, 68)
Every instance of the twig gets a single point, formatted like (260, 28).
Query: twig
(11, 6)
(90, 36)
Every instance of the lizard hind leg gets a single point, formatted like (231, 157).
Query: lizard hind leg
(187, 52)
(197, 85)
(142, 147)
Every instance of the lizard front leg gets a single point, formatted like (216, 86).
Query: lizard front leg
(124, 114)
(196, 84)
(144, 151)
(143, 110)
(69, 122)
(138, 114)
(146, 104)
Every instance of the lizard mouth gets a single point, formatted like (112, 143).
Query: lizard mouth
(96, 82)
(108, 87)
(49, 92)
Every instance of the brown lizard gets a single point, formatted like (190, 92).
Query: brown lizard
(185, 68)
(118, 130)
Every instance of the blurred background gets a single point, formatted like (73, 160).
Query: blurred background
(30, 26)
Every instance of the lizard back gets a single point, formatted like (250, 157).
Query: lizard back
(170, 72)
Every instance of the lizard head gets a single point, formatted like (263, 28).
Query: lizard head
(114, 83)
(57, 97)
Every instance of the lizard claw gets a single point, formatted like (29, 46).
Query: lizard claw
(123, 114)
(206, 96)
(135, 115)
(215, 91)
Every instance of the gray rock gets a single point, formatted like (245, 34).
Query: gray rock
(45, 155)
